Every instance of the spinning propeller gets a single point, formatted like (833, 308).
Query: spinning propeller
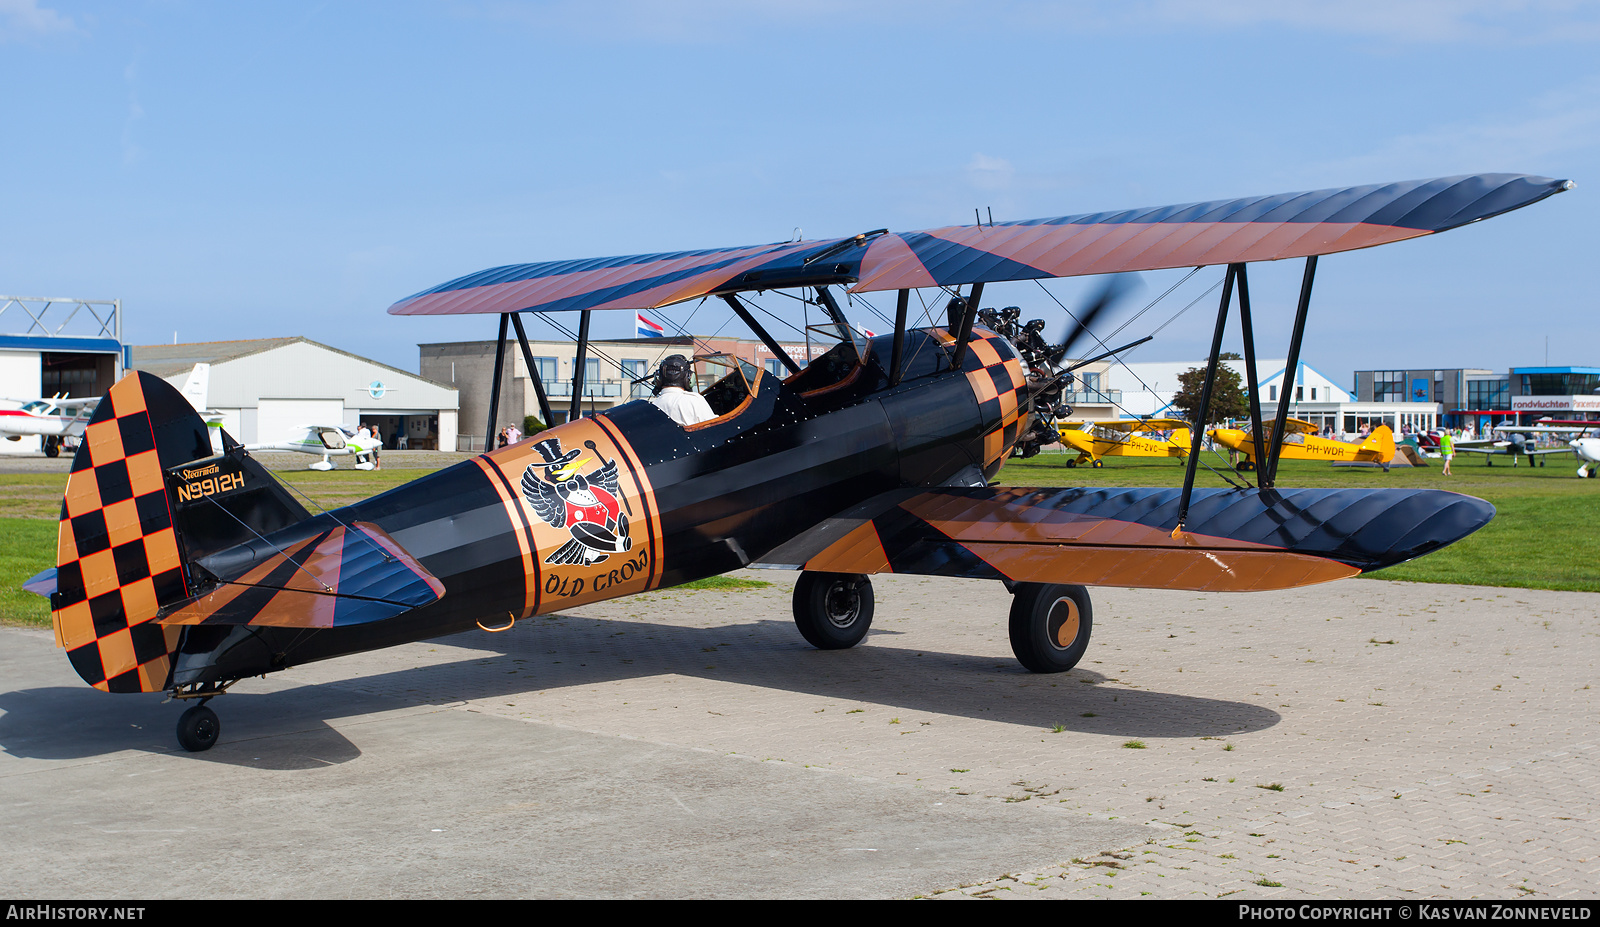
(1115, 289)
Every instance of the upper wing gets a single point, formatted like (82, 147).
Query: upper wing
(1257, 228)
(1235, 540)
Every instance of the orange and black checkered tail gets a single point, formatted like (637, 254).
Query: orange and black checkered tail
(119, 557)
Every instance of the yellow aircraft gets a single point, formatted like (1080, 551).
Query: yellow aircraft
(1301, 443)
(1125, 438)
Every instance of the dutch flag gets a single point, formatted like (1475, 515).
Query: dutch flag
(647, 328)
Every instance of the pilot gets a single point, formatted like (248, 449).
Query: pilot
(673, 395)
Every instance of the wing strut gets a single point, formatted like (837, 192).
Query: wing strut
(533, 372)
(1250, 367)
(494, 391)
(897, 355)
(1269, 477)
(968, 316)
(576, 409)
(1197, 430)
(732, 299)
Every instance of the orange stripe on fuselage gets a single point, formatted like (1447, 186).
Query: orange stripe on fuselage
(583, 573)
(523, 531)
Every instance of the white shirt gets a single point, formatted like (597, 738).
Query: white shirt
(684, 407)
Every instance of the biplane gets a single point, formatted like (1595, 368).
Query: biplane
(182, 571)
(1301, 442)
(1151, 437)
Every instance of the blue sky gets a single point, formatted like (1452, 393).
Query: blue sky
(239, 170)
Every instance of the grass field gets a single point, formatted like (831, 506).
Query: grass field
(1541, 538)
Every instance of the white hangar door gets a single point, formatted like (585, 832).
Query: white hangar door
(279, 419)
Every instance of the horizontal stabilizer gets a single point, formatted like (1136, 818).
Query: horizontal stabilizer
(1234, 540)
(338, 577)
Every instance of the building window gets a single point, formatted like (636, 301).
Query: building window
(1389, 386)
(635, 369)
(1559, 384)
(1489, 394)
(1272, 394)
(776, 368)
(546, 367)
(1299, 394)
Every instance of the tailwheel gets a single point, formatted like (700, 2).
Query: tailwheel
(198, 728)
(833, 610)
(1050, 624)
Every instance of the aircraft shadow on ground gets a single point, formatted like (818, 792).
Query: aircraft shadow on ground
(73, 723)
(62, 722)
(541, 655)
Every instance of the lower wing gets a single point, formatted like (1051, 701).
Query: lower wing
(1234, 540)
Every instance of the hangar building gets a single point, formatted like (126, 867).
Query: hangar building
(56, 347)
(264, 388)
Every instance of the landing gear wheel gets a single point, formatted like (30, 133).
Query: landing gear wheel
(52, 447)
(1050, 626)
(833, 610)
(1071, 464)
(198, 729)
(1246, 465)
(1098, 464)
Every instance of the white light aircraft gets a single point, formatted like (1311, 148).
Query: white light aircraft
(57, 419)
(328, 441)
(1584, 441)
(1519, 441)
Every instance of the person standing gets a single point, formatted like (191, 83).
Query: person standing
(1447, 449)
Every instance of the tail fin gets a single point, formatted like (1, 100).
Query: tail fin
(1379, 445)
(132, 519)
(196, 389)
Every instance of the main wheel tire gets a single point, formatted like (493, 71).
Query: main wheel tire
(1071, 464)
(52, 447)
(198, 729)
(1098, 464)
(833, 610)
(1050, 625)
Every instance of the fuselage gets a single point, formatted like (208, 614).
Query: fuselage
(46, 417)
(1310, 447)
(512, 533)
(1093, 445)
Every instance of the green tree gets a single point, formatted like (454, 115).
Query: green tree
(1228, 399)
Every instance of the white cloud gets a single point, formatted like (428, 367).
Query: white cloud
(24, 18)
(709, 21)
(1555, 129)
(990, 173)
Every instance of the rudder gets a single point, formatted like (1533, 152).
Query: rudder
(118, 557)
(125, 537)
